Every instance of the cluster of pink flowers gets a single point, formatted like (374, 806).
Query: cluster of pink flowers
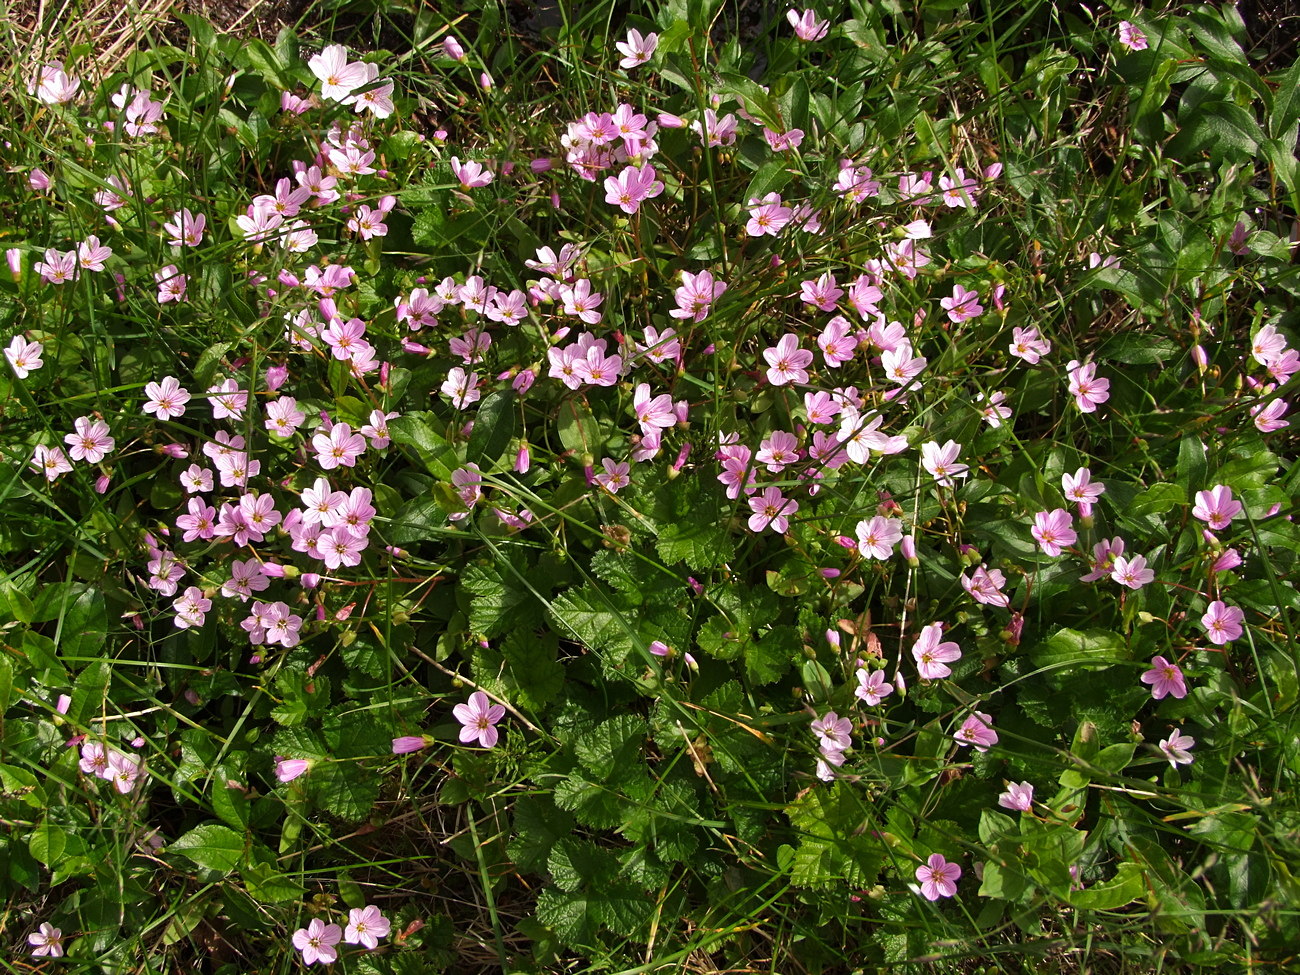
(318, 941)
(602, 140)
(112, 765)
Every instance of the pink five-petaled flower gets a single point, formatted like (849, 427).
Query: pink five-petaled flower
(878, 536)
(630, 188)
(615, 476)
(1019, 796)
(977, 730)
(1176, 748)
(58, 267)
(339, 448)
(985, 586)
(471, 174)
(636, 49)
(47, 942)
(50, 461)
(941, 462)
(1131, 37)
(337, 76)
(833, 731)
(963, 305)
(1080, 488)
(24, 356)
(768, 216)
(1222, 622)
(366, 925)
(317, 941)
(1026, 344)
(167, 399)
(185, 229)
(1216, 507)
(479, 718)
(171, 284)
(1088, 391)
(1052, 530)
(772, 510)
(872, 686)
(1132, 572)
(933, 656)
(1165, 678)
(91, 441)
(938, 877)
(806, 25)
(787, 363)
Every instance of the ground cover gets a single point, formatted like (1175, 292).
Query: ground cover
(673, 488)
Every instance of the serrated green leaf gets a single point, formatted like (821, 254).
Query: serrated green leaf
(612, 746)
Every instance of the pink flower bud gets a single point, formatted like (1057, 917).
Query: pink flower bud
(667, 121)
(523, 460)
(276, 376)
(484, 80)
(908, 547)
(62, 705)
(659, 648)
(273, 570)
(1200, 358)
(541, 165)
(39, 180)
(524, 381)
(829, 573)
(844, 541)
(695, 585)
(174, 450)
(1229, 559)
(310, 580)
(451, 47)
(833, 638)
(409, 743)
(14, 255)
(395, 552)
(101, 483)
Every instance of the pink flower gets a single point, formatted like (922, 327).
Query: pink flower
(833, 731)
(479, 718)
(1052, 530)
(471, 174)
(50, 461)
(959, 190)
(1165, 678)
(772, 510)
(615, 476)
(1104, 554)
(1267, 417)
(24, 356)
(787, 363)
(317, 940)
(768, 216)
(167, 399)
(1176, 748)
(90, 441)
(977, 730)
(58, 267)
(696, 296)
(636, 49)
(1026, 344)
(806, 25)
(409, 743)
(186, 229)
(339, 448)
(46, 942)
(1088, 391)
(1019, 797)
(938, 877)
(1222, 622)
(993, 411)
(872, 686)
(171, 284)
(1216, 507)
(91, 254)
(985, 586)
(286, 770)
(630, 188)
(932, 656)
(1080, 488)
(821, 293)
(338, 77)
(283, 416)
(1131, 37)
(1132, 572)
(941, 462)
(366, 925)
(877, 537)
(962, 306)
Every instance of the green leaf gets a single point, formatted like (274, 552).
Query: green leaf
(89, 691)
(229, 802)
(419, 430)
(612, 746)
(269, 886)
(538, 825)
(1128, 885)
(211, 846)
(577, 428)
(344, 789)
(494, 428)
(534, 663)
(1157, 499)
(1074, 647)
